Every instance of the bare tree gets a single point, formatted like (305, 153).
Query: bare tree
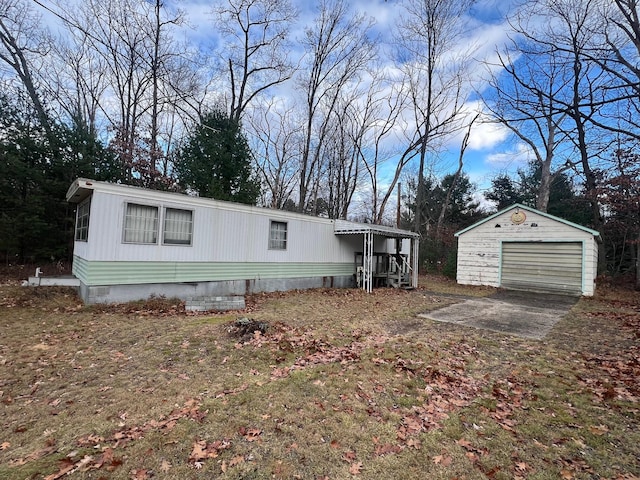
(276, 143)
(342, 162)
(435, 68)
(366, 128)
(256, 33)
(455, 177)
(615, 47)
(144, 69)
(160, 57)
(555, 89)
(76, 78)
(378, 118)
(587, 85)
(337, 49)
(23, 44)
(524, 98)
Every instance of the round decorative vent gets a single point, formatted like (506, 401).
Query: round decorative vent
(518, 217)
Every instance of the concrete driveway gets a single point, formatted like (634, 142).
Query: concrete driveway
(525, 314)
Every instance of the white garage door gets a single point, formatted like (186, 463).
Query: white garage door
(552, 267)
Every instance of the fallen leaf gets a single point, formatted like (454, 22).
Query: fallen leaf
(165, 466)
(202, 450)
(33, 456)
(4, 445)
(250, 434)
(579, 442)
(83, 464)
(139, 474)
(466, 444)
(387, 449)
(66, 466)
(355, 468)
(414, 443)
(443, 460)
(349, 456)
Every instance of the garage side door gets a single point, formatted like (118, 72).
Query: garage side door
(553, 267)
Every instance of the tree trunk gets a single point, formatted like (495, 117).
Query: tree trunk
(419, 193)
(638, 264)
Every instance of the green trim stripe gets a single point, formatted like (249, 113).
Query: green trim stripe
(131, 273)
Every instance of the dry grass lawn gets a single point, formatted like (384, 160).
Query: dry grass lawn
(342, 385)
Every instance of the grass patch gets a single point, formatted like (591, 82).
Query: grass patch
(339, 384)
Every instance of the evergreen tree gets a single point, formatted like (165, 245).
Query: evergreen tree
(216, 161)
(37, 165)
(438, 249)
(564, 201)
(504, 191)
(24, 155)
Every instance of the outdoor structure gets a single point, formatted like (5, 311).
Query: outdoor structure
(521, 248)
(132, 243)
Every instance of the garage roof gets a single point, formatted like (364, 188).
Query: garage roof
(595, 233)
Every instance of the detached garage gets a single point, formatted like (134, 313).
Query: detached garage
(521, 248)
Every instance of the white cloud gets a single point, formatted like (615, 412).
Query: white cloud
(485, 135)
(518, 155)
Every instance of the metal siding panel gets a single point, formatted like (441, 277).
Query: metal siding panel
(219, 235)
(105, 227)
(80, 268)
(554, 267)
(127, 273)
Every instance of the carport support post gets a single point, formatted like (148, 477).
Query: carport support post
(414, 262)
(367, 262)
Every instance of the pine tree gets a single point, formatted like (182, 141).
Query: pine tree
(216, 161)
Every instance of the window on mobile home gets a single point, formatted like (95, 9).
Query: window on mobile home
(141, 224)
(278, 235)
(178, 226)
(82, 221)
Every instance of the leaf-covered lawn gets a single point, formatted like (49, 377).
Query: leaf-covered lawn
(341, 385)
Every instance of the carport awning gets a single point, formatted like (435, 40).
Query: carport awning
(368, 232)
(344, 227)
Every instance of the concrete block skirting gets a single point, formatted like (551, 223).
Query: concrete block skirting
(205, 304)
(206, 290)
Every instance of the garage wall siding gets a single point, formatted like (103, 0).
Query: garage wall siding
(480, 246)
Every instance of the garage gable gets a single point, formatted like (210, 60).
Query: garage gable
(513, 215)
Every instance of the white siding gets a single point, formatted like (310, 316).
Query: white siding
(219, 235)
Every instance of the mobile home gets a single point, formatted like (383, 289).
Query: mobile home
(132, 243)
